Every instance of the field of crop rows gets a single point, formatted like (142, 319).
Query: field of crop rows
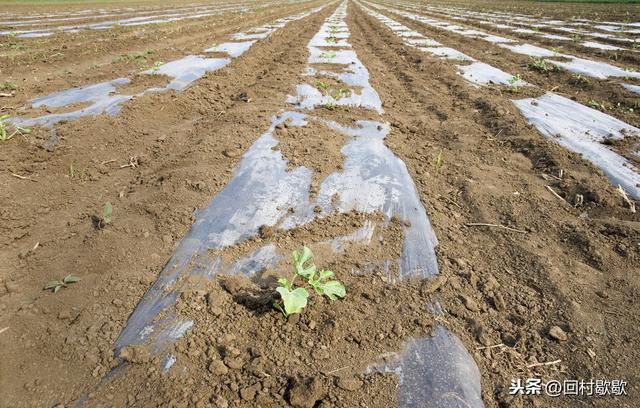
(469, 172)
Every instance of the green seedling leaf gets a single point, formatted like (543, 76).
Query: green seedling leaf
(107, 212)
(299, 261)
(324, 274)
(332, 289)
(71, 279)
(294, 300)
(53, 284)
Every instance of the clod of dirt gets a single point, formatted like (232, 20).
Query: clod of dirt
(305, 392)
(217, 367)
(135, 354)
(232, 153)
(558, 334)
(470, 303)
(349, 383)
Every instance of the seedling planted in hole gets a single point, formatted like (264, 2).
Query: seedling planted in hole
(514, 81)
(294, 300)
(107, 212)
(56, 285)
(539, 64)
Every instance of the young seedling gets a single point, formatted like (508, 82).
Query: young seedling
(56, 285)
(331, 105)
(8, 86)
(597, 105)
(514, 81)
(627, 73)
(579, 79)
(156, 67)
(439, 162)
(323, 87)
(107, 212)
(328, 55)
(341, 93)
(539, 64)
(557, 50)
(294, 300)
(576, 37)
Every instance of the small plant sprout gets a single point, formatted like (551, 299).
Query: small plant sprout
(294, 300)
(576, 37)
(539, 64)
(322, 86)
(627, 73)
(330, 105)
(597, 105)
(107, 212)
(579, 79)
(328, 55)
(515, 81)
(56, 285)
(341, 93)
(8, 86)
(439, 162)
(557, 50)
(156, 67)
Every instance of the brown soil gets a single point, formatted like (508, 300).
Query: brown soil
(605, 95)
(248, 354)
(571, 264)
(571, 267)
(313, 146)
(629, 56)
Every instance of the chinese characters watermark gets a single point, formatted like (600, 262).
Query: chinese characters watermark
(555, 388)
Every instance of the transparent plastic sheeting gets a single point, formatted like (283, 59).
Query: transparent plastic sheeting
(131, 21)
(435, 372)
(261, 192)
(574, 126)
(583, 130)
(632, 88)
(594, 69)
(493, 20)
(483, 74)
(478, 73)
(104, 96)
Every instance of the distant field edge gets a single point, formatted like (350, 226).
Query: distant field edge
(586, 1)
(83, 2)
